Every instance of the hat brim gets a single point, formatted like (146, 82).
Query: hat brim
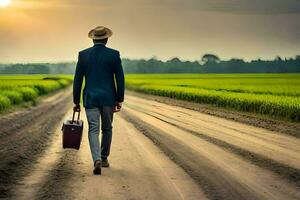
(94, 37)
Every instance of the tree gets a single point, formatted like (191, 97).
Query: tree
(210, 59)
(175, 62)
(278, 58)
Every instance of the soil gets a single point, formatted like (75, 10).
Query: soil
(162, 149)
(266, 122)
(24, 135)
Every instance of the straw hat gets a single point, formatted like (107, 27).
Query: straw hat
(100, 32)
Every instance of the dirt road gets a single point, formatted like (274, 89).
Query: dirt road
(162, 151)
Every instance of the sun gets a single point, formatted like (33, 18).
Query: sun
(5, 3)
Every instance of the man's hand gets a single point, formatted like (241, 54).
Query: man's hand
(118, 106)
(76, 108)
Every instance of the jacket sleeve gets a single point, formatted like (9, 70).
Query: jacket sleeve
(120, 80)
(78, 79)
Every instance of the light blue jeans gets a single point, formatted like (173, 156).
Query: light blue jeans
(93, 117)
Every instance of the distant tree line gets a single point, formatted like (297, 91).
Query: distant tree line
(25, 69)
(41, 68)
(209, 63)
(153, 65)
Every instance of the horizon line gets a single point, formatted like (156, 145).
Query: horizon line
(153, 57)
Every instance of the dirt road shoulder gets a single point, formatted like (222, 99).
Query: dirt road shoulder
(24, 135)
(290, 128)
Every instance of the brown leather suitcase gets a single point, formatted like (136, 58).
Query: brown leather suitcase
(72, 132)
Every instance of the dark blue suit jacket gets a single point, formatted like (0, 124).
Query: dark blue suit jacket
(104, 77)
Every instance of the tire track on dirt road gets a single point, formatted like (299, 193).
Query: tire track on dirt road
(258, 121)
(282, 149)
(25, 135)
(207, 163)
(157, 153)
(285, 171)
(139, 170)
(52, 174)
(56, 182)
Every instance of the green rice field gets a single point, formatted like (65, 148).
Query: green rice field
(17, 89)
(276, 95)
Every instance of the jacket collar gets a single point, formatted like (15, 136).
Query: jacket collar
(99, 44)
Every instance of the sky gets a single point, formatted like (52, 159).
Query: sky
(55, 30)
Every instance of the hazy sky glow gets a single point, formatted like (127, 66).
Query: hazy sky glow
(55, 30)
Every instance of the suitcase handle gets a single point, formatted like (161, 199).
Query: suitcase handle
(78, 117)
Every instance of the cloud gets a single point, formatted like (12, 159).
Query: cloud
(238, 6)
(56, 29)
(232, 6)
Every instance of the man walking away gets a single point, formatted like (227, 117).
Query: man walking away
(103, 93)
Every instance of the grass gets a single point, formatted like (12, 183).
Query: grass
(276, 95)
(15, 90)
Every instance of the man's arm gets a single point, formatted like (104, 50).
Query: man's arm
(120, 81)
(77, 84)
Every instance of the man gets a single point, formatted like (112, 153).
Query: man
(103, 93)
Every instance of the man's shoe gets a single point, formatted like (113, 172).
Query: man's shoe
(105, 163)
(97, 167)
